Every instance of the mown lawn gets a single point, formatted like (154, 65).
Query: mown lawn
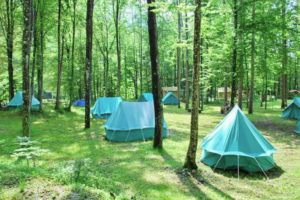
(134, 170)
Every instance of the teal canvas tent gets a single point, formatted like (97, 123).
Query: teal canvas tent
(132, 121)
(170, 99)
(236, 144)
(17, 102)
(292, 111)
(146, 97)
(297, 130)
(104, 106)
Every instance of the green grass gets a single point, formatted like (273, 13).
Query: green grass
(134, 170)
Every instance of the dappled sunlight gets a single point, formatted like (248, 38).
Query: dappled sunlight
(127, 168)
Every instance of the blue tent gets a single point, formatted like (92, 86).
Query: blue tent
(170, 99)
(292, 111)
(132, 121)
(236, 143)
(104, 106)
(297, 130)
(79, 103)
(146, 97)
(17, 102)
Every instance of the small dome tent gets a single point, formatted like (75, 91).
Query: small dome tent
(132, 121)
(104, 106)
(79, 103)
(17, 102)
(236, 143)
(146, 97)
(292, 111)
(170, 99)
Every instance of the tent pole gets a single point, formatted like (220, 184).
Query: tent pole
(261, 169)
(217, 162)
(238, 157)
(127, 135)
(143, 135)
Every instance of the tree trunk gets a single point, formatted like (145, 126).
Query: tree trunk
(35, 44)
(116, 20)
(250, 108)
(59, 66)
(266, 73)
(241, 60)
(156, 88)
(234, 54)
(141, 49)
(27, 15)
(225, 88)
(72, 56)
(40, 54)
(187, 91)
(125, 65)
(190, 160)
(178, 55)
(88, 62)
(284, 58)
(9, 45)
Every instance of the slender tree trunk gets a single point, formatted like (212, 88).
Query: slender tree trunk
(284, 58)
(88, 62)
(141, 49)
(40, 56)
(225, 89)
(234, 54)
(156, 88)
(190, 160)
(187, 67)
(116, 20)
(35, 45)
(59, 66)
(266, 73)
(296, 74)
(26, 46)
(247, 78)
(73, 50)
(241, 67)
(135, 73)
(9, 45)
(125, 65)
(178, 55)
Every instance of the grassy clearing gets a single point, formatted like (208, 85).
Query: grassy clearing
(134, 170)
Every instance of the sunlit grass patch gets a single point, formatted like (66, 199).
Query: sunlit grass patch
(134, 169)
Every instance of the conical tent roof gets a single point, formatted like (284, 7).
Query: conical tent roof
(105, 105)
(146, 97)
(236, 143)
(236, 135)
(170, 98)
(18, 100)
(132, 115)
(292, 111)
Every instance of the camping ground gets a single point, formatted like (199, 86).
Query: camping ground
(81, 164)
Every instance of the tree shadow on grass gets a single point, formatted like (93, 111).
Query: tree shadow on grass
(192, 179)
(273, 173)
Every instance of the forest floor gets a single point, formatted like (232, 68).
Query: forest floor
(81, 164)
